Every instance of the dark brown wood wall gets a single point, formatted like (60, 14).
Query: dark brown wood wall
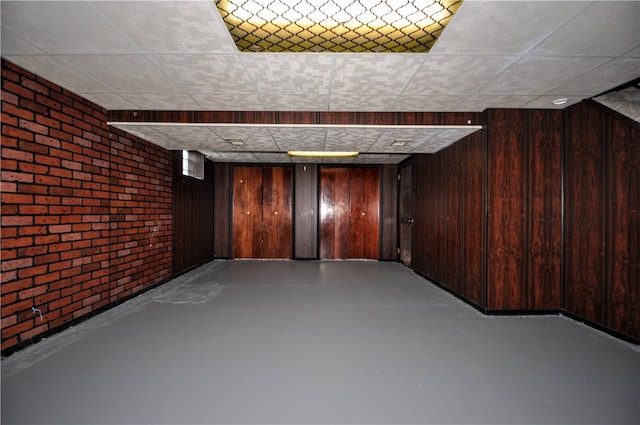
(449, 225)
(602, 230)
(306, 211)
(473, 213)
(389, 212)
(222, 210)
(506, 216)
(193, 217)
(488, 213)
(524, 219)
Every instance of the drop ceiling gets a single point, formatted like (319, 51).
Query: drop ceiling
(178, 56)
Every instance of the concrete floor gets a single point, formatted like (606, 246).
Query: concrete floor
(319, 342)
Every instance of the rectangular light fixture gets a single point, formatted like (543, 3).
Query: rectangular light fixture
(322, 154)
(400, 142)
(235, 142)
(336, 25)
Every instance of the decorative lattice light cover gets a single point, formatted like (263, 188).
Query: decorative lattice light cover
(336, 25)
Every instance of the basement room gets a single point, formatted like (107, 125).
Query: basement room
(320, 211)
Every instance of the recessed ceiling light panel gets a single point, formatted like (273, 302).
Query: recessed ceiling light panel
(336, 25)
(400, 142)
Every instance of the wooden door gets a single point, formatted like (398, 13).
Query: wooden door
(276, 212)
(262, 212)
(349, 212)
(247, 212)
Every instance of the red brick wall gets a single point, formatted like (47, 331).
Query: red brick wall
(86, 208)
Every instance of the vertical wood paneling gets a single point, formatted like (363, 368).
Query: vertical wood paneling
(222, 210)
(406, 213)
(584, 214)
(357, 213)
(389, 218)
(453, 251)
(545, 210)
(473, 211)
(277, 199)
(506, 278)
(438, 263)
(623, 218)
(423, 225)
(371, 208)
(193, 217)
(306, 211)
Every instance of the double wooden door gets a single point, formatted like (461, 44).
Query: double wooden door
(349, 212)
(262, 212)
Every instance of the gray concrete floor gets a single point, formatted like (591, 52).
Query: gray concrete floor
(318, 342)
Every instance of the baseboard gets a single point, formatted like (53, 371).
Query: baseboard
(522, 312)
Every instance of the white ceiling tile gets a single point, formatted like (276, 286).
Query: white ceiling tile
(605, 77)
(503, 27)
(59, 72)
(69, 27)
(206, 73)
(191, 137)
(632, 53)
(362, 102)
(151, 135)
(604, 28)
(296, 138)
(289, 73)
(428, 103)
(162, 101)
(456, 74)
(297, 102)
(108, 101)
(122, 73)
(525, 76)
(378, 74)
(14, 45)
(352, 139)
(479, 103)
(228, 101)
(170, 26)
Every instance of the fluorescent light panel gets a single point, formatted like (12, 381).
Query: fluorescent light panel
(336, 25)
(322, 154)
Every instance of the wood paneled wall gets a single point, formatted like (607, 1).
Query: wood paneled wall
(602, 228)
(389, 213)
(306, 211)
(490, 215)
(222, 210)
(193, 217)
(524, 227)
(449, 228)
